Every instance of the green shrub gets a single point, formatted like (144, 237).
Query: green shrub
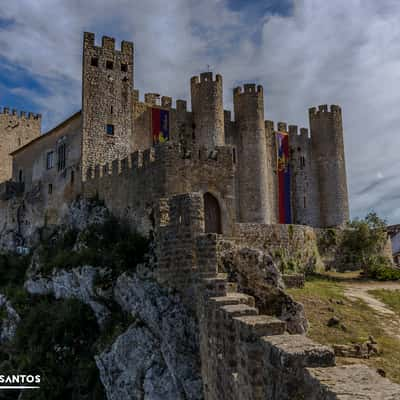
(13, 268)
(56, 340)
(110, 244)
(363, 244)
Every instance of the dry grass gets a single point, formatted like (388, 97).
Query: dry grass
(323, 297)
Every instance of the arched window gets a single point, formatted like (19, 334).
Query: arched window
(212, 214)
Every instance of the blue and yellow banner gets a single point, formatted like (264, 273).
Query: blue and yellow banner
(285, 215)
(159, 125)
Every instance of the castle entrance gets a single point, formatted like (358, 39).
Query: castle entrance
(212, 214)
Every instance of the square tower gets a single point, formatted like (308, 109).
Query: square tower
(107, 85)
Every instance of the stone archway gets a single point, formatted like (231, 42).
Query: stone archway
(212, 214)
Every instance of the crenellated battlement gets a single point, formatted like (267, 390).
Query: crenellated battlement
(5, 111)
(141, 160)
(248, 88)
(324, 110)
(205, 77)
(107, 43)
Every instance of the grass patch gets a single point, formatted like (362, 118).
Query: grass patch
(323, 297)
(390, 297)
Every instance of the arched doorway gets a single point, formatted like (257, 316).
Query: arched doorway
(212, 214)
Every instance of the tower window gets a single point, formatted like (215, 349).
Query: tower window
(50, 160)
(94, 62)
(124, 67)
(72, 177)
(304, 202)
(302, 162)
(20, 176)
(50, 190)
(110, 129)
(61, 157)
(109, 65)
(111, 109)
(234, 155)
(19, 142)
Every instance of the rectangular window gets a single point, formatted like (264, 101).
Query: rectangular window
(124, 67)
(94, 62)
(50, 188)
(61, 157)
(50, 160)
(110, 129)
(109, 65)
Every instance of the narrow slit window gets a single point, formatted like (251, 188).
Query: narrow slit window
(110, 129)
(61, 157)
(50, 190)
(72, 177)
(50, 160)
(304, 202)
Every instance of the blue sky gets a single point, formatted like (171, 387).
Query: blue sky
(304, 53)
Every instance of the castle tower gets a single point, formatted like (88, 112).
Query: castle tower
(16, 130)
(304, 189)
(106, 101)
(252, 154)
(329, 162)
(208, 110)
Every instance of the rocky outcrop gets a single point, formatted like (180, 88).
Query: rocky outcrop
(257, 275)
(173, 327)
(9, 320)
(77, 283)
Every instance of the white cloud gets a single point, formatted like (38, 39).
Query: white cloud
(343, 52)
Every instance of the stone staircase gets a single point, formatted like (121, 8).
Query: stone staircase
(248, 356)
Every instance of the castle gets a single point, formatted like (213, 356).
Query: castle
(130, 152)
(219, 196)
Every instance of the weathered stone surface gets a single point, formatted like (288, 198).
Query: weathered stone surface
(134, 368)
(174, 328)
(352, 382)
(77, 283)
(9, 320)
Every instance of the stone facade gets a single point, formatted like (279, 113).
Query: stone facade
(16, 130)
(116, 126)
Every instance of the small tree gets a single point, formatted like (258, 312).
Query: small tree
(364, 241)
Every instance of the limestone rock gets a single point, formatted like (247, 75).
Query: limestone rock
(9, 320)
(171, 324)
(77, 283)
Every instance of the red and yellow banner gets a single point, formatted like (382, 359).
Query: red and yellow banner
(285, 215)
(159, 125)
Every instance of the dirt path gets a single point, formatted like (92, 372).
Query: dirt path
(360, 291)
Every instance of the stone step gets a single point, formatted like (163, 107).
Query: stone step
(249, 327)
(232, 298)
(237, 310)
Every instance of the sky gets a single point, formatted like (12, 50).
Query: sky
(304, 53)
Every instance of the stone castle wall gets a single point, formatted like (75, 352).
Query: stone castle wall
(16, 130)
(131, 187)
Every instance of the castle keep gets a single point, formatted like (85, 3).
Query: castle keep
(130, 152)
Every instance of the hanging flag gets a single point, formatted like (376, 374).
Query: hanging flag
(159, 125)
(285, 216)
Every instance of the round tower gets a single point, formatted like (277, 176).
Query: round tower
(208, 110)
(327, 148)
(252, 154)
